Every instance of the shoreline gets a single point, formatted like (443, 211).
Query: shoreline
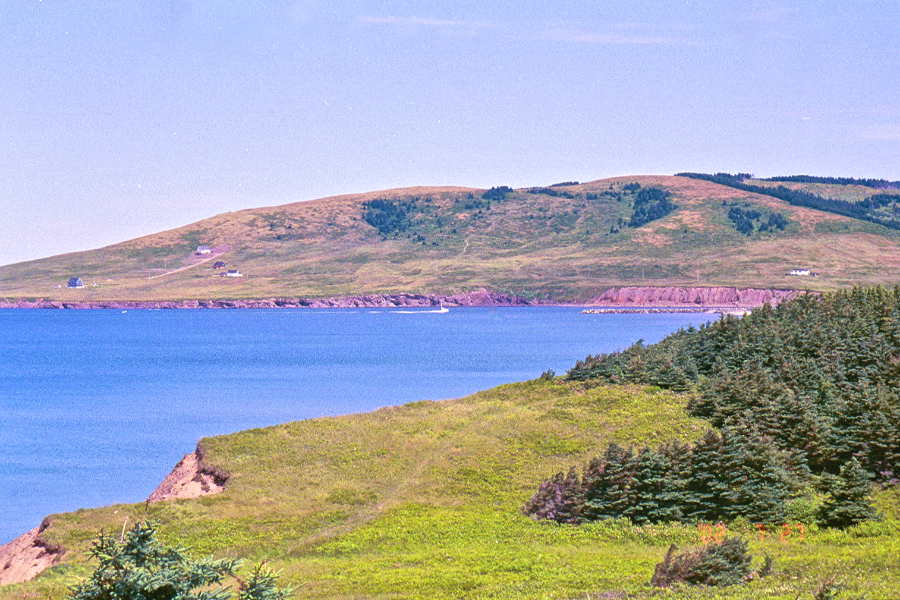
(617, 299)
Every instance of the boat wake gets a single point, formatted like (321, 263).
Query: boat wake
(440, 310)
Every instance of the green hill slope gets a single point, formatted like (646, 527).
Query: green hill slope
(564, 242)
(423, 501)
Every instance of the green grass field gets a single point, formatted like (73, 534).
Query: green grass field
(557, 247)
(423, 501)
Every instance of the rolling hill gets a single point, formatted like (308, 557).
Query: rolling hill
(424, 501)
(565, 242)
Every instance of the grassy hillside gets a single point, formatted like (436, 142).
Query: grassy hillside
(563, 242)
(423, 501)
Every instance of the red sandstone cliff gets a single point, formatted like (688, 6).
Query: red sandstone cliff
(718, 297)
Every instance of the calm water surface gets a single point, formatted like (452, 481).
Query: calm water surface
(97, 406)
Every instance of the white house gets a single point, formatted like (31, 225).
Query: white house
(798, 272)
(204, 250)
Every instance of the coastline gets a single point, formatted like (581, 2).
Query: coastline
(617, 299)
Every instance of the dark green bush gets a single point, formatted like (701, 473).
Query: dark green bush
(717, 564)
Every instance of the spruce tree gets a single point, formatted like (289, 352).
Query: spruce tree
(757, 475)
(848, 501)
(139, 567)
(653, 491)
(606, 489)
(706, 493)
(560, 499)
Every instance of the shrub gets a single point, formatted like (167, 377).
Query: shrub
(138, 567)
(848, 501)
(497, 193)
(719, 564)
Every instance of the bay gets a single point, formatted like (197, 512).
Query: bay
(97, 406)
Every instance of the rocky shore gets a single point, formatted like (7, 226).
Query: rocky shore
(617, 297)
(478, 298)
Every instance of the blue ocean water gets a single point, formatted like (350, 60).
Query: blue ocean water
(97, 406)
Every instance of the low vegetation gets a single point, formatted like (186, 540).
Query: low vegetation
(717, 564)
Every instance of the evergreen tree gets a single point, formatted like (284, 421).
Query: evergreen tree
(653, 494)
(606, 489)
(559, 499)
(139, 567)
(756, 475)
(706, 493)
(848, 501)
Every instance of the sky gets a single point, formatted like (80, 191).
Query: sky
(121, 119)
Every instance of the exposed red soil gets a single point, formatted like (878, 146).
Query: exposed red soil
(27, 555)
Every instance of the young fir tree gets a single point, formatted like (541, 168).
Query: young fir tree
(656, 492)
(606, 489)
(560, 499)
(706, 492)
(139, 567)
(848, 501)
(757, 477)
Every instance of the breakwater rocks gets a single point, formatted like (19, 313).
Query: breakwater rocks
(739, 312)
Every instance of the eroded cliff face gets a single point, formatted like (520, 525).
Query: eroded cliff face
(713, 297)
(27, 555)
(191, 478)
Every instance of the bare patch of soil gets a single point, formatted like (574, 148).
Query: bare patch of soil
(27, 555)
(190, 478)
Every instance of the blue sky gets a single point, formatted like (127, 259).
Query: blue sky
(121, 119)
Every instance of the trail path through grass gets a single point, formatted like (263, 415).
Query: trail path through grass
(190, 266)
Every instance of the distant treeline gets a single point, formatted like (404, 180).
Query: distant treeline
(810, 390)
(878, 184)
(549, 191)
(563, 183)
(865, 210)
(497, 193)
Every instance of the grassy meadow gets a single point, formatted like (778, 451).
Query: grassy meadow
(565, 243)
(423, 501)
